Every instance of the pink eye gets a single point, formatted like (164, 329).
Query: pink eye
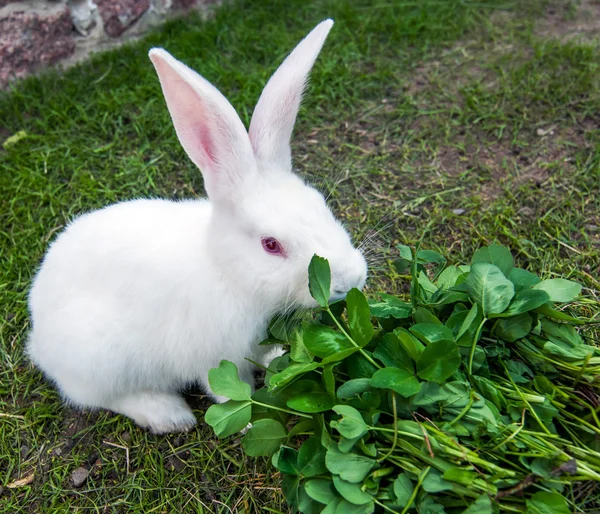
(272, 246)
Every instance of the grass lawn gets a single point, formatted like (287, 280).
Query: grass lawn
(454, 123)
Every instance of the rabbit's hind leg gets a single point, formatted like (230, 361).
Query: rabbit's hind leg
(159, 412)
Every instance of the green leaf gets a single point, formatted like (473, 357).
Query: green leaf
(298, 351)
(514, 328)
(286, 460)
(442, 297)
(488, 390)
(391, 352)
(290, 373)
(448, 277)
(482, 505)
(438, 361)
(490, 288)
(428, 506)
(390, 307)
(405, 252)
(329, 379)
(229, 418)
(264, 437)
(306, 504)
(399, 380)
(345, 507)
(359, 366)
(349, 466)
(425, 316)
(403, 489)
(523, 279)
(345, 444)
(319, 280)
(351, 492)
(427, 285)
(323, 341)
(471, 319)
(290, 485)
(497, 255)
(517, 370)
(562, 331)
(524, 301)
(432, 396)
(367, 401)
(310, 402)
(353, 387)
(340, 356)
(559, 289)
(224, 381)
(432, 257)
(432, 333)
(410, 343)
(547, 503)
(311, 458)
(301, 427)
(566, 351)
(359, 317)
(321, 490)
(434, 483)
(351, 425)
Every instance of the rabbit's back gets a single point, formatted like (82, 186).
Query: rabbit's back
(114, 288)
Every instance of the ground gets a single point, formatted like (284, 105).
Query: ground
(451, 123)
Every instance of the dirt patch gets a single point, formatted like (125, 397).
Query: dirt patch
(571, 21)
(497, 164)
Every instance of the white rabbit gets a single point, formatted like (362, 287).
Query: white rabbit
(137, 300)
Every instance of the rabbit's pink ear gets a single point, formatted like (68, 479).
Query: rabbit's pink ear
(207, 126)
(275, 113)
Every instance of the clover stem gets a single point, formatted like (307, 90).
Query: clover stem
(395, 441)
(411, 500)
(383, 506)
(474, 345)
(339, 325)
(465, 410)
(520, 393)
(280, 409)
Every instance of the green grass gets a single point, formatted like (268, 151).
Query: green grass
(451, 123)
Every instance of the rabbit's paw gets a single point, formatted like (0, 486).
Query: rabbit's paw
(159, 412)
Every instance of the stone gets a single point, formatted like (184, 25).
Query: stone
(84, 14)
(118, 15)
(458, 212)
(79, 476)
(29, 40)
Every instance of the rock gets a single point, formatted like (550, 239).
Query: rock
(24, 452)
(84, 14)
(29, 40)
(458, 212)
(118, 15)
(79, 476)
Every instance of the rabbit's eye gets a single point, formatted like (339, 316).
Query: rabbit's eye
(272, 246)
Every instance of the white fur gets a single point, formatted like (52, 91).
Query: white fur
(137, 300)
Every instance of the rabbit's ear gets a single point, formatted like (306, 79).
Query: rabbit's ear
(275, 113)
(207, 126)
